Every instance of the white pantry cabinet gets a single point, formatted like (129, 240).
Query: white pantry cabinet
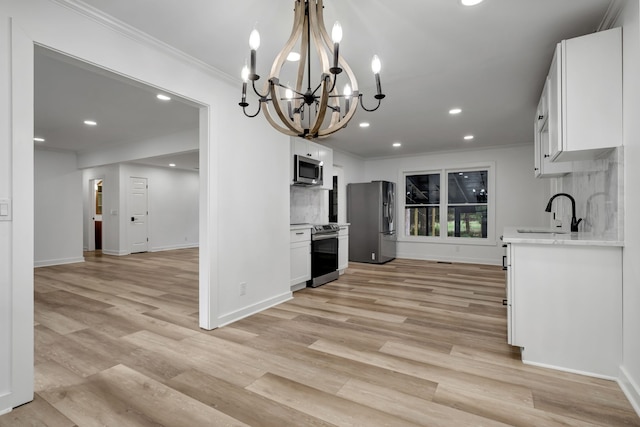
(543, 166)
(300, 241)
(343, 248)
(585, 96)
(565, 306)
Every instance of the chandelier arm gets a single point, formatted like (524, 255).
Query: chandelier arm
(244, 110)
(284, 118)
(276, 125)
(365, 108)
(315, 19)
(334, 127)
(322, 109)
(261, 96)
(292, 128)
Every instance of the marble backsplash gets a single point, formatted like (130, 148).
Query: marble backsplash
(308, 205)
(598, 188)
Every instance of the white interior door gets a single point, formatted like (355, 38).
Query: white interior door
(138, 214)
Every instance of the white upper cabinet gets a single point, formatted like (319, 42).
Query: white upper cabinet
(306, 148)
(543, 166)
(585, 96)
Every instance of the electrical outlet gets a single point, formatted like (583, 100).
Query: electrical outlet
(243, 288)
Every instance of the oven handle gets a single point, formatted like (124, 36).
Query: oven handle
(323, 237)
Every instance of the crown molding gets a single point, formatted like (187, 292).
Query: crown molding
(141, 37)
(611, 15)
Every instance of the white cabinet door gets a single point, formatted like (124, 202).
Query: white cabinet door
(343, 248)
(325, 155)
(566, 305)
(305, 148)
(300, 256)
(586, 87)
(543, 167)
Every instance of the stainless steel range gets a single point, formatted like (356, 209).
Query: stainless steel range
(324, 254)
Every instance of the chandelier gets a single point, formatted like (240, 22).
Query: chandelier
(304, 110)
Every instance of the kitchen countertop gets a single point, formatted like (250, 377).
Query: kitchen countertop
(304, 226)
(545, 236)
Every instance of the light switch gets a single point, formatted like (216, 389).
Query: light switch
(5, 210)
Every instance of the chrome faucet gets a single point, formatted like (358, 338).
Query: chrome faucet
(574, 221)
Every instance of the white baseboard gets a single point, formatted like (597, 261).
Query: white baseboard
(174, 247)
(630, 389)
(407, 255)
(115, 253)
(571, 371)
(50, 262)
(253, 309)
(5, 411)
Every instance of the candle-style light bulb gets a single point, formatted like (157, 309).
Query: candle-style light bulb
(288, 94)
(254, 44)
(245, 78)
(336, 36)
(245, 73)
(336, 33)
(376, 66)
(254, 40)
(347, 97)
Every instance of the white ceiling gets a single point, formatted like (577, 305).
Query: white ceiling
(490, 60)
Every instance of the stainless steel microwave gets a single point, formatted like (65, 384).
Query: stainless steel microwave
(306, 171)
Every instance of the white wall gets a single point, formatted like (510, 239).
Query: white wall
(243, 232)
(58, 208)
(630, 370)
(520, 199)
(173, 206)
(6, 244)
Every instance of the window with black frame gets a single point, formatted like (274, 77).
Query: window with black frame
(467, 200)
(461, 207)
(422, 205)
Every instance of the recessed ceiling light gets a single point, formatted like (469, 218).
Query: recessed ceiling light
(364, 125)
(468, 137)
(37, 139)
(163, 97)
(173, 165)
(455, 111)
(470, 2)
(90, 122)
(293, 56)
(397, 144)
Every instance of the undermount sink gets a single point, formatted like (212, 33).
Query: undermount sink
(541, 230)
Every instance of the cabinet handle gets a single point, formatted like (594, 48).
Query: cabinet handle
(300, 233)
(535, 169)
(539, 117)
(546, 156)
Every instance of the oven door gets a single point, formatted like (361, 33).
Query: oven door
(324, 257)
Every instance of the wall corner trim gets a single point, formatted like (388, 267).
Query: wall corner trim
(630, 388)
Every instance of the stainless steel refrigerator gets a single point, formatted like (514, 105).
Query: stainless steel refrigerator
(370, 213)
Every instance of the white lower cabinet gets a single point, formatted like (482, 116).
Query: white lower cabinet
(300, 240)
(343, 248)
(565, 306)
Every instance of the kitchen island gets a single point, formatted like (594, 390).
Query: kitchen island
(564, 299)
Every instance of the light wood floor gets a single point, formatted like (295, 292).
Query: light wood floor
(401, 344)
